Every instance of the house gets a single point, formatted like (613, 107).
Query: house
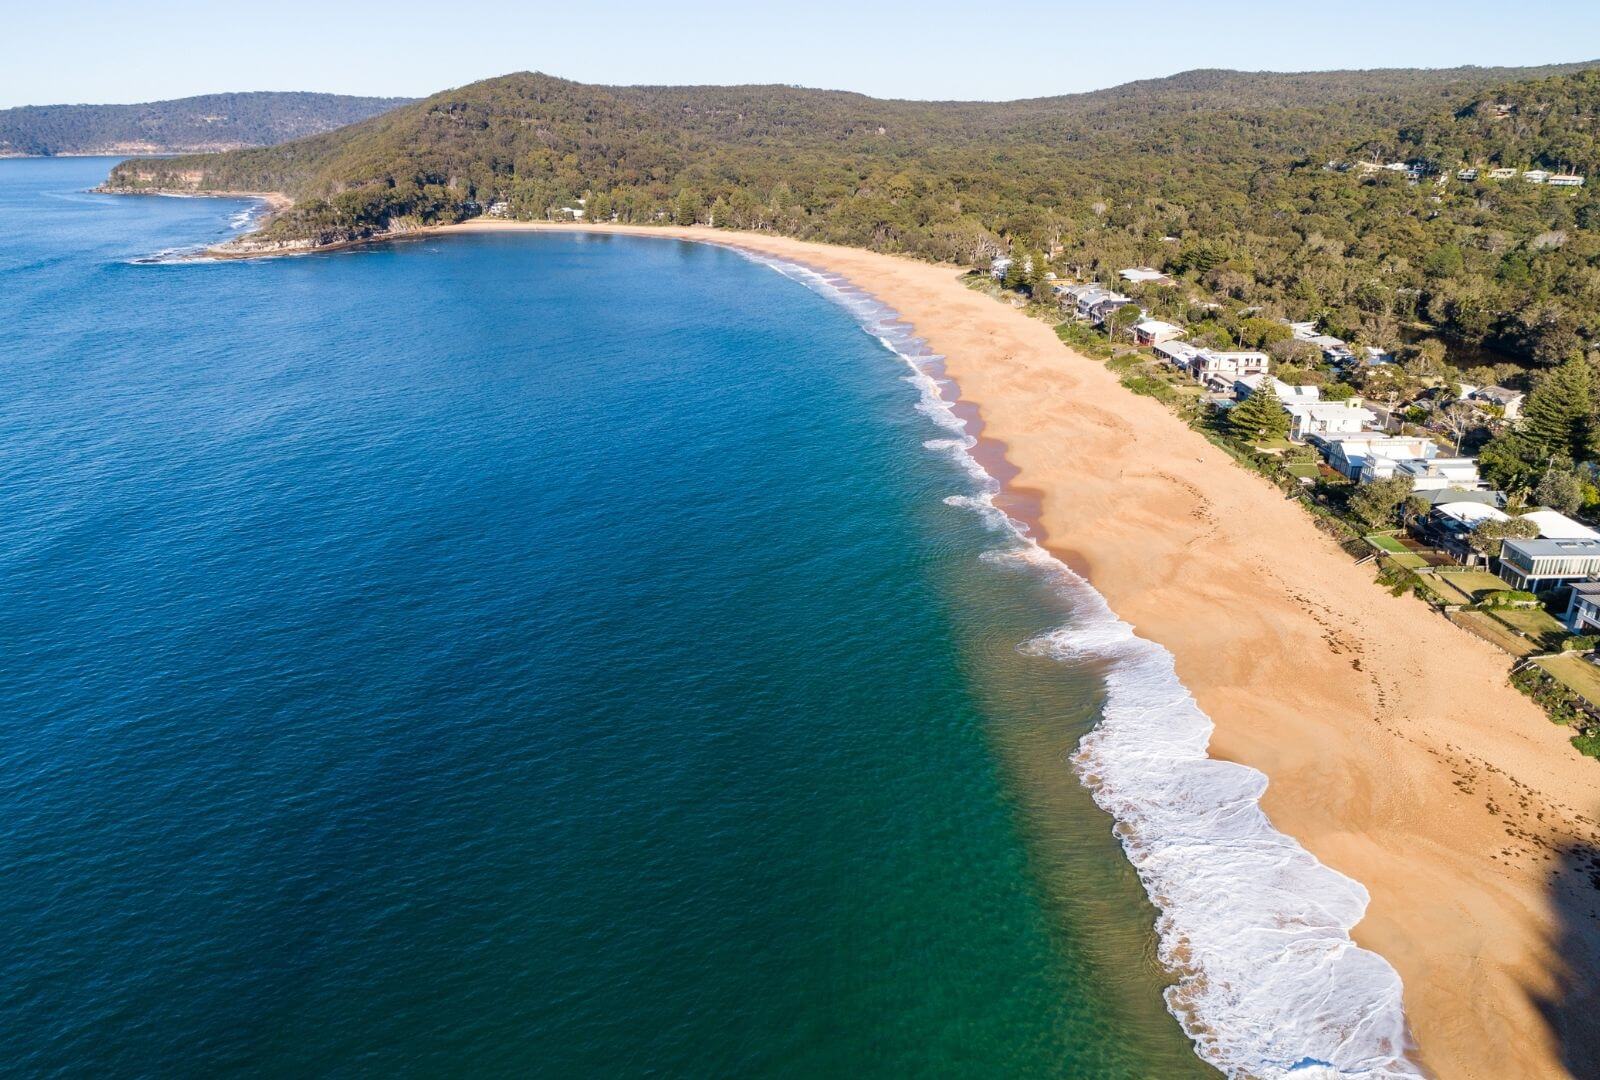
(1152, 331)
(1245, 386)
(1347, 452)
(1564, 180)
(1303, 331)
(999, 266)
(1448, 525)
(1554, 525)
(1372, 356)
(1536, 176)
(1177, 353)
(1583, 608)
(1508, 401)
(1467, 174)
(1308, 419)
(1502, 174)
(1222, 368)
(1333, 349)
(1102, 307)
(1139, 275)
(1541, 565)
(1426, 474)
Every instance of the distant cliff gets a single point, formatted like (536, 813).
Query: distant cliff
(206, 124)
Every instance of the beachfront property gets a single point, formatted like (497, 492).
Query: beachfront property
(1140, 275)
(1426, 474)
(1316, 419)
(1219, 369)
(1347, 453)
(1536, 176)
(1449, 524)
(1180, 354)
(1092, 301)
(1296, 395)
(1509, 402)
(1502, 174)
(1583, 608)
(1554, 525)
(1564, 180)
(1541, 565)
(1154, 331)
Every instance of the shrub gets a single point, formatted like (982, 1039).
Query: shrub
(1580, 643)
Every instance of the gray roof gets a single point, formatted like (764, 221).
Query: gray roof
(1587, 588)
(1536, 548)
(1450, 495)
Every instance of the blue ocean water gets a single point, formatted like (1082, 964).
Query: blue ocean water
(516, 655)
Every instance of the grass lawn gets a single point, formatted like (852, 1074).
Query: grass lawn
(1407, 560)
(1493, 631)
(1468, 586)
(1576, 674)
(1386, 543)
(1273, 444)
(1309, 469)
(1536, 623)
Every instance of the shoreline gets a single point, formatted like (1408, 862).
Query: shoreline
(1396, 753)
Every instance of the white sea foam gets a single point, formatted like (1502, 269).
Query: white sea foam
(1256, 930)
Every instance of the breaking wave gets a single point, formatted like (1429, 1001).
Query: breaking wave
(1255, 930)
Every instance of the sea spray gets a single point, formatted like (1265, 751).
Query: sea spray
(1269, 982)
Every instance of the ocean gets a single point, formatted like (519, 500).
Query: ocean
(566, 655)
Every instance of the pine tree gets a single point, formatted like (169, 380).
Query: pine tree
(1017, 273)
(1260, 416)
(1556, 418)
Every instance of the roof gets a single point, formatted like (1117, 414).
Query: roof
(1440, 496)
(1338, 410)
(1554, 525)
(1470, 513)
(1141, 273)
(1155, 326)
(1497, 393)
(1536, 548)
(1587, 588)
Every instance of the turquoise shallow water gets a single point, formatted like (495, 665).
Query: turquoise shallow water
(511, 655)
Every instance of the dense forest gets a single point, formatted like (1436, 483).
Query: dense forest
(1221, 178)
(209, 123)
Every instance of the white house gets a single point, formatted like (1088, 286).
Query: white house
(999, 266)
(1347, 452)
(1310, 419)
(1426, 474)
(1554, 525)
(1466, 174)
(1509, 401)
(1152, 331)
(1289, 395)
(1222, 368)
(1564, 180)
(1502, 174)
(1536, 176)
(1139, 275)
(1583, 608)
(1177, 353)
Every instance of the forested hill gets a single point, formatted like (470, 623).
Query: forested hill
(1218, 177)
(188, 125)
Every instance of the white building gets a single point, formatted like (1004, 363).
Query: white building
(1502, 174)
(1154, 331)
(1177, 353)
(1554, 525)
(1347, 452)
(1564, 180)
(1139, 275)
(1536, 176)
(1426, 474)
(1317, 418)
(1289, 395)
(1220, 369)
(1508, 401)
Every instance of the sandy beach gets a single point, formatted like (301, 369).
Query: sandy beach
(1396, 751)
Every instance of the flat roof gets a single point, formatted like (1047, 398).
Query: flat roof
(1556, 547)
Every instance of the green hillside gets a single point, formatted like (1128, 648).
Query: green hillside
(208, 123)
(1216, 176)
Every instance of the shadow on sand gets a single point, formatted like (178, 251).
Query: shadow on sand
(1574, 1010)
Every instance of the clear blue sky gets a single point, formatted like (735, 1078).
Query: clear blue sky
(103, 51)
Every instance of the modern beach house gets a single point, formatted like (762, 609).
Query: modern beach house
(1541, 565)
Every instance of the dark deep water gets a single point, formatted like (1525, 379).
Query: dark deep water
(516, 655)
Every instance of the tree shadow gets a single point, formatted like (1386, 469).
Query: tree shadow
(1574, 1009)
